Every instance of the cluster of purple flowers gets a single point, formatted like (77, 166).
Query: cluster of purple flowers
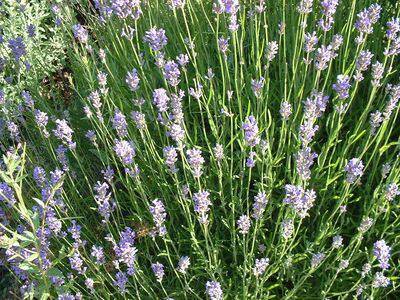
(119, 124)
(230, 7)
(392, 190)
(300, 199)
(366, 20)
(244, 224)
(342, 86)
(314, 106)
(156, 38)
(76, 262)
(259, 205)
(382, 253)
(196, 161)
(158, 270)
(317, 259)
(95, 99)
(394, 98)
(250, 162)
(75, 231)
(251, 133)
(377, 73)
(202, 205)
(375, 120)
(161, 99)
(380, 280)
(126, 8)
(80, 33)
(337, 242)
(304, 160)
(257, 86)
(125, 250)
(305, 6)
(98, 254)
(272, 50)
(7, 194)
(285, 110)
(172, 73)
(214, 290)
(13, 130)
(218, 152)
(323, 56)
(120, 281)
(171, 157)
(123, 9)
(157, 210)
(393, 28)
(310, 41)
(328, 10)
(197, 91)
(139, 119)
(354, 170)
(108, 174)
(183, 264)
(366, 224)
(176, 132)
(125, 151)
(168, 102)
(223, 45)
(17, 47)
(64, 133)
(176, 4)
(260, 266)
(287, 228)
(132, 80)
(176, 107)
(104, 202)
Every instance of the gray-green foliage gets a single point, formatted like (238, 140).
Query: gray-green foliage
(315, 249)
(45, 51)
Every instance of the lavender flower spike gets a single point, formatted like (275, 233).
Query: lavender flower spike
(260, 266)
(125, 151)
(214, 290)
(196, 161)
(244, 224)
(304, 160)
(64, 133)
(382, 253)
(301, 200)
(158, 270)
(202, 205)
(171, 157)
(132, 80)
(80, 33)
(251, 131)
(183, 264)
(392, 190)
(161, 99)
(260, 202)
(342, 86)
(354, 170)
(157, 210)
(156, 38)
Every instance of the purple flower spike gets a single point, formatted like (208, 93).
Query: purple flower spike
(251, 132)
(382, 253)
(214, 290)
(354, 170)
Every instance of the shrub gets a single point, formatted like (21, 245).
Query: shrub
(214, 150)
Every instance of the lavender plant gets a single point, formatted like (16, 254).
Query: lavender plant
(32, 47)
(215, 150)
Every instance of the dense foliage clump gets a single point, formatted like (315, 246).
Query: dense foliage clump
(208, 150)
